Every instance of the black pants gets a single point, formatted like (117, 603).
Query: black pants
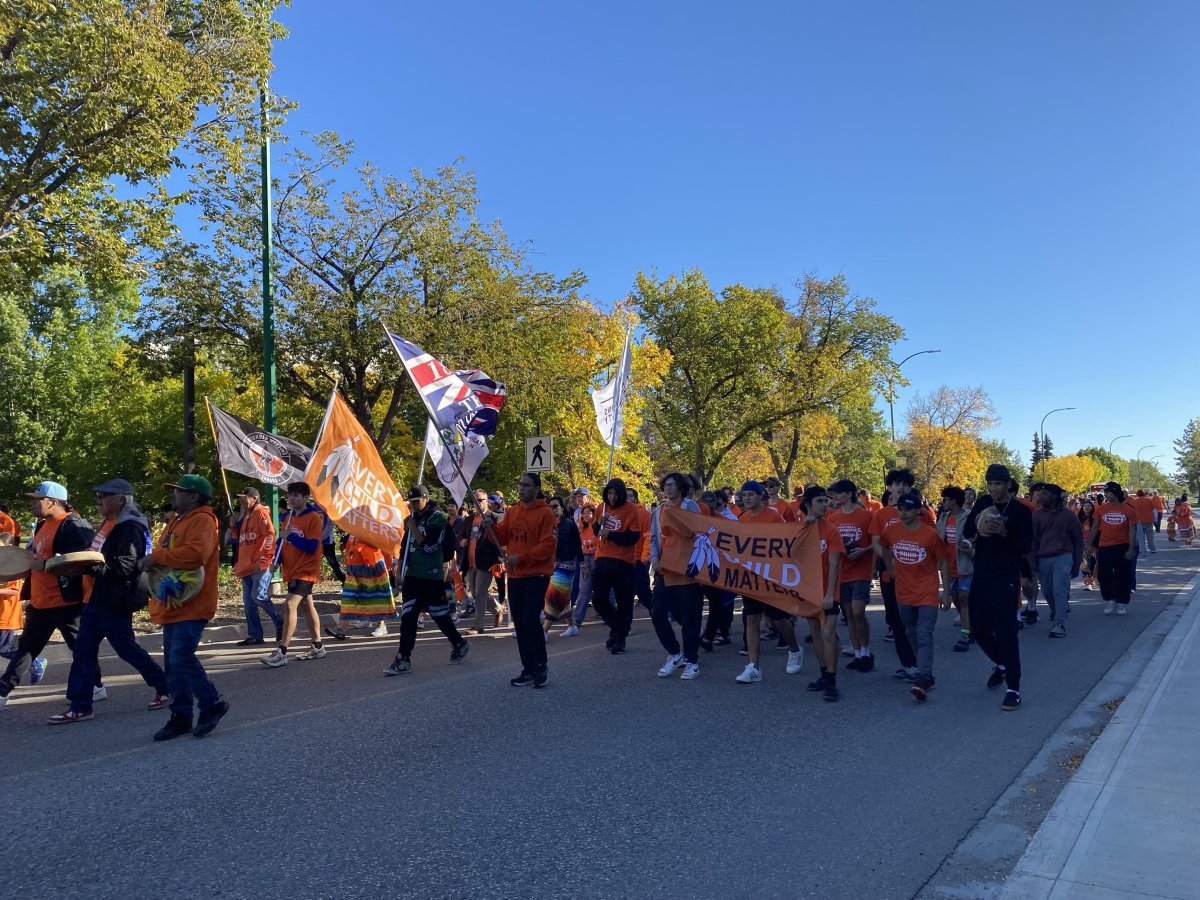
(526, 598)
(615, 576)
(95, 625)
(686, 603)
(421, 594)
(331, 558)
(1115, 573)
(641, 585)
(891, 612)
(40, 624)
(720, 612)
(992, 605)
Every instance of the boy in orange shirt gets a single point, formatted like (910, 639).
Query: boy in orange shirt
(11, 617)
(300, 565)
(616, 552)
(915, 556)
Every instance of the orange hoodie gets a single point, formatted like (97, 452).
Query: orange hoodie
(190, 542)
(531, 534)
(255, 534)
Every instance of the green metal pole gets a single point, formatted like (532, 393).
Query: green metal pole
(268, 304)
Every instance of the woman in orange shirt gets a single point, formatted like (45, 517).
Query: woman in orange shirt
(1114, 534)
(1184, 526)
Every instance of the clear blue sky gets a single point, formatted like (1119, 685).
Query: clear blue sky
(1015, 182)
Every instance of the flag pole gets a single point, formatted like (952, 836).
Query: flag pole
(224, 480)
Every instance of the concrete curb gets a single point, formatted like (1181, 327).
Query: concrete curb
(1043, 863)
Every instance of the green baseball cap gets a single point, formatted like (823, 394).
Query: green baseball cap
(196, 484)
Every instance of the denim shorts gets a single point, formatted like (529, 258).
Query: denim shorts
(961, 584)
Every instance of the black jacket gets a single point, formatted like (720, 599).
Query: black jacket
(73, 535)
(998, 555)
(570, 544)
(117, 579)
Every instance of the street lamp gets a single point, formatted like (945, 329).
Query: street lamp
(1151, 461)
(1138, 461)
(1042, 433)
(891, 388)
(1117, 438)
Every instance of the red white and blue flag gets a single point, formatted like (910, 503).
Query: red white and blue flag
(490, 394)
(450, 401)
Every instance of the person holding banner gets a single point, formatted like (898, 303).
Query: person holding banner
(528, 534)
(814, 503)
(300, 567)
(675, 594)
(754, 509)
(616, 552)
(428, 558)
(254, 535)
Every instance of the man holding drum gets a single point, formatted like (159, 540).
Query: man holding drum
(55, 603)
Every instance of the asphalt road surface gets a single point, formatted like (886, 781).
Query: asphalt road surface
(329, 780)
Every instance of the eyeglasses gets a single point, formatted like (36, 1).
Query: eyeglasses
(668, 484)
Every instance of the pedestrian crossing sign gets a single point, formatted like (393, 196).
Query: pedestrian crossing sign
(539, 453)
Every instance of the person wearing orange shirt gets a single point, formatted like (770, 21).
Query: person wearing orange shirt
(1185, 528)
(786, 511)
(53, 604)
(300, 556)
(755, 509)
(814, 504)
(12, 618)
(1160, 508)
(675, 595)
(720, 602)
(9, 525)
(254, 534)
(642, 591)
(620, 531)
(853, 523)
(1144, 505)
(190, 541)
(1114, 534)
(587, 564)
(899, 483)
(915, 556)
(529, 535)
(869, 503)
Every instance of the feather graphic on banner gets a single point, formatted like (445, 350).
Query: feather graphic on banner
(704, 556)
(339, 466)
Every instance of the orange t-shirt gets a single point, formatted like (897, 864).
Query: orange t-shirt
(855, 530)
(831, 542)
(588, 539)
(623, 518)
(1113, 520)
(1183, 514)
(872, 505)
(952, 544)
(1158, 502)
(642, 549)
(1145, 509)
(735, 509)
(766, 516)
(44, 592)
(886, 516)
(11, 617)
(97, 542)
(916, 553)
(786, 511)
(295, 564)
(9, 524)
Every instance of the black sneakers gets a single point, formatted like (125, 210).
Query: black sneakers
(995, 679)
(540, 677)
(176, 726)
(920, 689)
(459, 653)
(1012, 702)
(209, 717)
(818, 685)
(523, 680)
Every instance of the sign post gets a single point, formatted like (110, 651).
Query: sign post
(539, 453)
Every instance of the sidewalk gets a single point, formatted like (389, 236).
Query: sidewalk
(1126, 826)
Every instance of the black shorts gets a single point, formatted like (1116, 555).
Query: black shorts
(301, 589)
(753, 607)
(854, 592)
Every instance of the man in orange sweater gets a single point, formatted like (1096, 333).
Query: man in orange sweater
(254, 533)
(190, 541)
(529, 535)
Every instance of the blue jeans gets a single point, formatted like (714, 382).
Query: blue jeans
(919, 622)
(1054, 573)
(256, 594)
(95, 624)
(186, 678)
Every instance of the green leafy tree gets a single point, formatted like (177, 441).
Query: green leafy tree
(995, 451)
(1111, 466)
(1187, 456)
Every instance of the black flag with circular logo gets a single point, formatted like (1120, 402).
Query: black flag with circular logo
(255, 453)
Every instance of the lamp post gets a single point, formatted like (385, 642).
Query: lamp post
(891, 388)
(1151, 461)
(1117, 438)
(1042, 435)
(1138, 461)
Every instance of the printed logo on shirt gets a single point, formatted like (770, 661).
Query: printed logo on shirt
(1115, 518)
(908, 553)
(824, 546)
(951, 534)
(851, 534)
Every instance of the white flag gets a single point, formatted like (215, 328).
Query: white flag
(470, 450)
(610, 401)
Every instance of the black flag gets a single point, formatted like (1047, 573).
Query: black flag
(255, 453)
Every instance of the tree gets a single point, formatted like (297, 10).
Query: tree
(1187, 456)
(965, 410)
(1072, 473)
(97, 93)
(1037, 455)
(995, 451)
(1110, 467)
(939, 457)
(748, 362)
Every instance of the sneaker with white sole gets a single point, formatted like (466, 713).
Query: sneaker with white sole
(750, 675)
(1123, 609)
(848, 651)
(691, 671)
(380, 630)
(99, 693)
(37, 670)
(314, 652)
(795, 661)
(160, 701)
(69, 717)
(1110, 607)
(669, 667)
(1058, 630)
(570, 631)
(275, 659)
(399, 666)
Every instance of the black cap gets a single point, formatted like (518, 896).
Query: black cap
(251, 492)
(997, 472)
(417, 491)
(911, 500)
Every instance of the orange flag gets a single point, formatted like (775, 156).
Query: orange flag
(349, 481)
(778, 564)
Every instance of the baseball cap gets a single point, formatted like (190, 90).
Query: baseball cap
(756, 486)
(581, 490)
(51, 489)
(496, 500)
(251, 492)
(195, 484)
(417, 491)
(114, 486)
(911, 500)
(997, 472)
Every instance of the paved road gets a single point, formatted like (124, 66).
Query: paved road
(329, 780)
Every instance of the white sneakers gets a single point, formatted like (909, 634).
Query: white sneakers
(1123, 609)
(570, 631)
(691, 671)
(750, 675)
(100, 693)
(795, 661)
(275, 659)
(313, 653)
(1110, 607)
(672, 663)
(380, 630)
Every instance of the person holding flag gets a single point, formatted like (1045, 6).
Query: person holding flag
(300, 565)
(613, 574)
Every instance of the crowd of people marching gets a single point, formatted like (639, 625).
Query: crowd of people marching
(549, 558)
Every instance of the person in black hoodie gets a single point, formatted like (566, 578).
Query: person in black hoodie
(1001, 529)
(115, 596)
(616, 553)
